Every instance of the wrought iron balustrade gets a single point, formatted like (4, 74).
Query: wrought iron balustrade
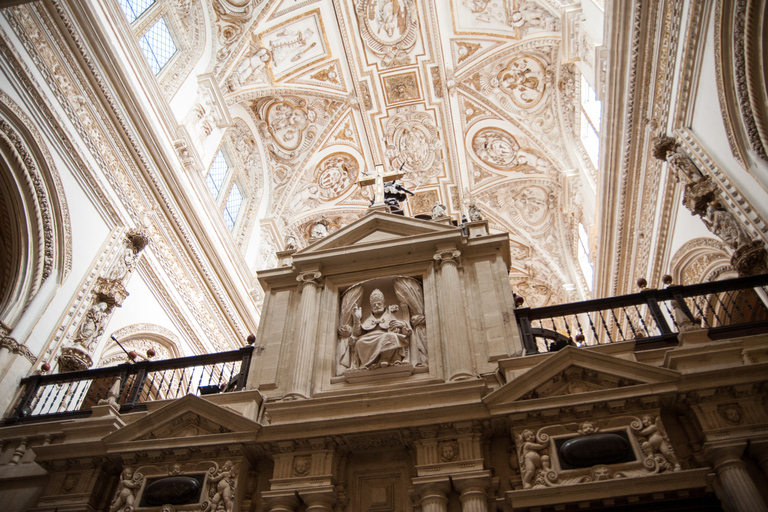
(130, 385)
(652, 318)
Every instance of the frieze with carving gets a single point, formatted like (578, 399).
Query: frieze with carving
(386, 330)
(593, 450)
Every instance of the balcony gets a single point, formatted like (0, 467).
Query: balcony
(651, 318)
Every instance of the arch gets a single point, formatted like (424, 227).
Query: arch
(741, 32)
(140, 337)
(34, 218)
(699, 260)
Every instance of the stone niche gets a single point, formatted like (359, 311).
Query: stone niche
(382, 330)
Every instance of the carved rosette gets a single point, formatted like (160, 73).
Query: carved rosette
(388, 29)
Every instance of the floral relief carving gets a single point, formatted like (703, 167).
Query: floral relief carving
(523, 80)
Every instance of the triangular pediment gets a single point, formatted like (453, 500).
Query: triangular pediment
(375, 228)
(190, 416)
(573, 371)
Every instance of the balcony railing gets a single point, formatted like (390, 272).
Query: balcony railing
(652, 318)
(73, 394)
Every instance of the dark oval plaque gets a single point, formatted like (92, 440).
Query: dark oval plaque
(174, 490)
(588, 451)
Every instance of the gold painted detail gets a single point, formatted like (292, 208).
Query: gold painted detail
(401, 88)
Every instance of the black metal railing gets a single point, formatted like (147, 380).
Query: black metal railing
(652, 318)
(130, 385)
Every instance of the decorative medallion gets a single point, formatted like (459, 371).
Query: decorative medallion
(496, 148)
(402, 87)
(413, 143)
(286, 123)
(523, 80)
(335, 174)
(534, 203)
(388, 28)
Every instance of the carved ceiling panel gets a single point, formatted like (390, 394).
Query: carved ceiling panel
(462, 96)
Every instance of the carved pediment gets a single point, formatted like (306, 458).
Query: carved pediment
(188, 417)
(574, 371)
(374, 228)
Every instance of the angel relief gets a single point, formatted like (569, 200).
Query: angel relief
(390, 330)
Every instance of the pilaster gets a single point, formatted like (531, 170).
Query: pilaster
(453, 314)
(733, 486)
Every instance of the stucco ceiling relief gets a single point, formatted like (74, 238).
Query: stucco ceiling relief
(335, 175)
(295, 43)
(507, 17)
(389, 29)
(413, 144)
(500, 150)
(326, 75)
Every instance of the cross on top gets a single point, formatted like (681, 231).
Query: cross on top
(377, 180)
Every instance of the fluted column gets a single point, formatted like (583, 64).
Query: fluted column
(434, 500)
(474, 499)
(734, 487)
(309, 308)
(282, 504)
(319, 503)
(453, 315)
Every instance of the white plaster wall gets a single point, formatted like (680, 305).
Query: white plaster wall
(708, 128)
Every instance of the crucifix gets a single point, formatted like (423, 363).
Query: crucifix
(377, 180)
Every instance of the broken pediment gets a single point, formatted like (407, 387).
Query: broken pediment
(375, 228)
(188, 417)
(574, 371)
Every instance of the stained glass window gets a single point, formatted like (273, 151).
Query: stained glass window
(135, 8)
(232, 207)
(157, 45)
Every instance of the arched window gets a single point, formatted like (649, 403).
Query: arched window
(222, 176)
(170, 34)
(591, 110)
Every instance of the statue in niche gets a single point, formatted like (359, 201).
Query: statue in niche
(655, 445)
(92, 326)
(126, 491)
(390, 334)
(533, 465)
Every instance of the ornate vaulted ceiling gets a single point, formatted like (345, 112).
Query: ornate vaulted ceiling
(471, 98)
